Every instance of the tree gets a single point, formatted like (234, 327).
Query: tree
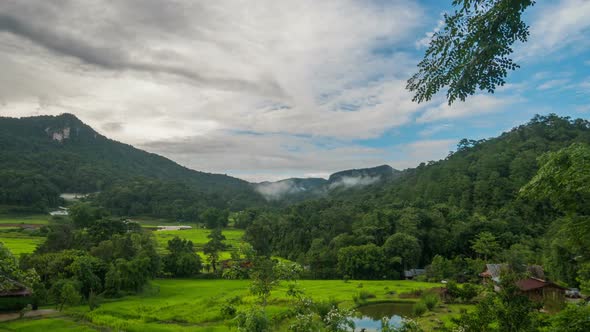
(11, 275)
(264, 278)
(563, 180)
(182, 261)
(362, 262)
(471, 51)
(486, 245)
(404, 246)
(214, 218)
(214, 246)
(65, 292)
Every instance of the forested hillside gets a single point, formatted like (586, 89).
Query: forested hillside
(44, 156)
(294, 190)
(440, 208)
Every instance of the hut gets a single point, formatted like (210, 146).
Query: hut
(541, 290)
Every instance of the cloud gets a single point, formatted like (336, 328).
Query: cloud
(551, 84)
(258, 90)
(473, 106)
(413, 153)
(276, 190)
(557, 25)
(432, 130)
(425, 42)
(354, 181)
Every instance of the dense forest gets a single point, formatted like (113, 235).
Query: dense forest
(44, 156)
(436, 211)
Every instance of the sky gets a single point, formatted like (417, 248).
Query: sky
(271, 89)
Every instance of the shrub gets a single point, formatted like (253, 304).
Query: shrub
(420, 308)
(430, 300)
(305, 323)
(253, 320)
(322, 308)
(362, 297)
(227, 310)
(469, 291)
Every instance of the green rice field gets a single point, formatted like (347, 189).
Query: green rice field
(199, 238)
(195, 305)
(24, 220)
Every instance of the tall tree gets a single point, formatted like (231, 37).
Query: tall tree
(485, 245)
(472, 50)
(214, 246)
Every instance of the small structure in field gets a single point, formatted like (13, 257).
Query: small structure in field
(413, 273)
(61, 211)
(173, 228)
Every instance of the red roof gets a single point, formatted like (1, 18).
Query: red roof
(534, 283)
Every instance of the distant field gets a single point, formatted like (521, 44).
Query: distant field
(20, 243)
(199, 238)
(29, 220)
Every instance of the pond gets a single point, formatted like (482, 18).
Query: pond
(371, 315)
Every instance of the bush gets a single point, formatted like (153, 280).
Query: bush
(420, 308)
(305, 323)
(253, 320)
(227, 310)
(469, 291)
(430, 300)
(362, 297)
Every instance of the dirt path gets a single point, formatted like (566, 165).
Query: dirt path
(33, 313)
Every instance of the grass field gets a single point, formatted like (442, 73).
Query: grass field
(24, 220)
(52, 324)
(18, 242)
(194, 305)
(199, 238)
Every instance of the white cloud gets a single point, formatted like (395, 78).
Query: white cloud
(556, 25)
(425, 41)
(414, 153)
(199, 74)
(552, 84)
(473, 106)
(432, 130)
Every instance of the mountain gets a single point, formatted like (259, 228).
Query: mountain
(43, 156)
(297, 189)
(438, 208)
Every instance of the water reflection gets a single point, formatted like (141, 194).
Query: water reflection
(372, 314)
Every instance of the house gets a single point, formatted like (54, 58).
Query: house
(535, 286)
(15, 298)
(541, 290)
(173, 228)
(413, 273)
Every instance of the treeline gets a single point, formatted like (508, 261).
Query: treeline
(442, 207)
(91, 255)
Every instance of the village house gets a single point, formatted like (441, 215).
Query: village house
(535, 286)
(16, 298)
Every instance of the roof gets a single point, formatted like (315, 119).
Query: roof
(16, 292)
(494, 270)
(534, 283)
(414, 272)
